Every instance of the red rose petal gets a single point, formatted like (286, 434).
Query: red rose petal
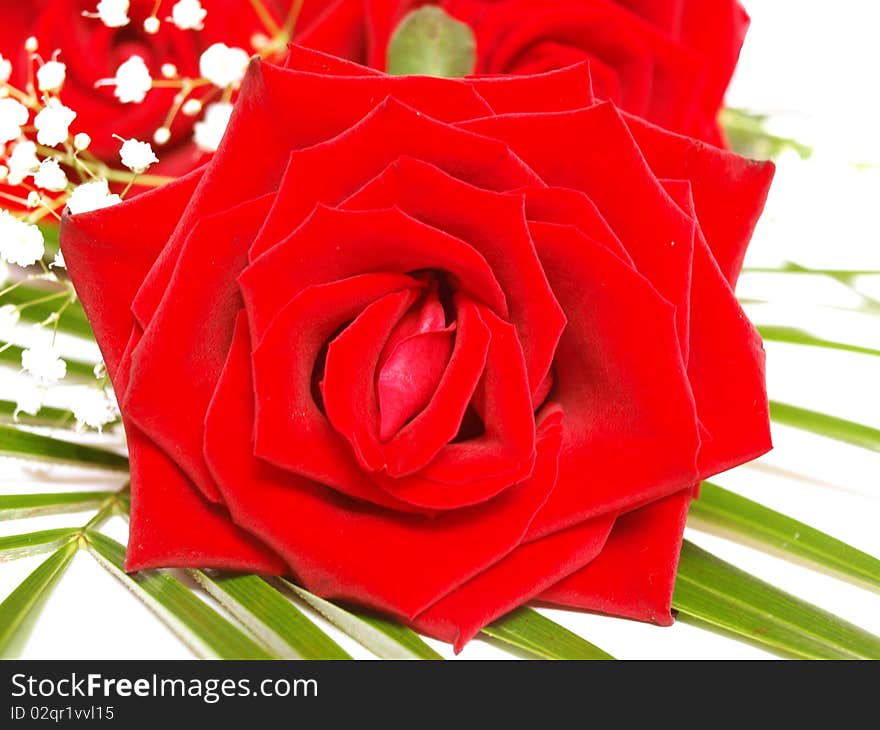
(347, 551)
(634, 574)
(290, 431)
(107, 257)
(349, 387)
(418, 441)
(560, 89)
(729, 191)
(495, 225)
(175, 368)
(726, 368)
(300, 58)
(657, 235)
(173, 526)
(389, 131)
(294, 110)
(621, 380)
(334, 244)
(523, 575)
(476, 469)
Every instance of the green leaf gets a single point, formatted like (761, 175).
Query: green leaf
(822, 424)
(270, 616)
(794, 336)
(748, 136)
(81, 370)
(717, 594)
(430, 42)
(196, 623)
(19, 610)
(49, 417)
(34, 543)
(529, 630)
(20, 506)
(387, 639)
(73, 321)
(720, 511)
(24, 444)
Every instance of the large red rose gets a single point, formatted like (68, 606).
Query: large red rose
(437, 347)
(669, 61)
(93, 51)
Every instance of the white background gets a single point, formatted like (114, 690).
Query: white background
(815, 66)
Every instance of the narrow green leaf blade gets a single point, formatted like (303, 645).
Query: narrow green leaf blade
(430, 42)
(34, 543)
(20, 608)
(718, 594)
(24, 444)
(794, 336)
(21, 506)
(73, 321)
(718, 510)
(196, 623)
(270, 616)
(529, 630)
(386, 638)
(52, 417)
(856, 434)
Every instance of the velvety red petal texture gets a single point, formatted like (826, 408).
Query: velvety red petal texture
(669, 61)
(634, 575)
(435, 347)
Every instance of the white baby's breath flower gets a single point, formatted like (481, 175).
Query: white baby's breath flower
(43, 362)
(188, 15)
(53, 123)
(137, 156)
(9, 316)
(81, 142)
(13, 116)
(5, 69)
(31, 44)
(50, 76)
(50, 176)
(20, 243)
(223, 66)
(112, 13)
(91, 196)
(162, 135)
(209, 131)
(29, 397)
(151, 25)
(191, 107)
(22, 162)
(58, 262)
(92, 407)
(132, 81)
(168, 70)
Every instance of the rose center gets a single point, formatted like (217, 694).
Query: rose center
(413, 362)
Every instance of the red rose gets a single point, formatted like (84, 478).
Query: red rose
(93, 52)
(434, 346)
(669, 61)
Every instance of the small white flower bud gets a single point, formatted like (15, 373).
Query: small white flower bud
(162, 135)
(137, 156)
(50, 76)
(151, 25)
(192, 107)
(33, 199)
(188, 15)
(5, 69)
(81, 142)
(169, 70)
(31, 45)
(224, 66)
(259, 41)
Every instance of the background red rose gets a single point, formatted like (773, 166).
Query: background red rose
(93, 51)
(669, 61)
(416, 348)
